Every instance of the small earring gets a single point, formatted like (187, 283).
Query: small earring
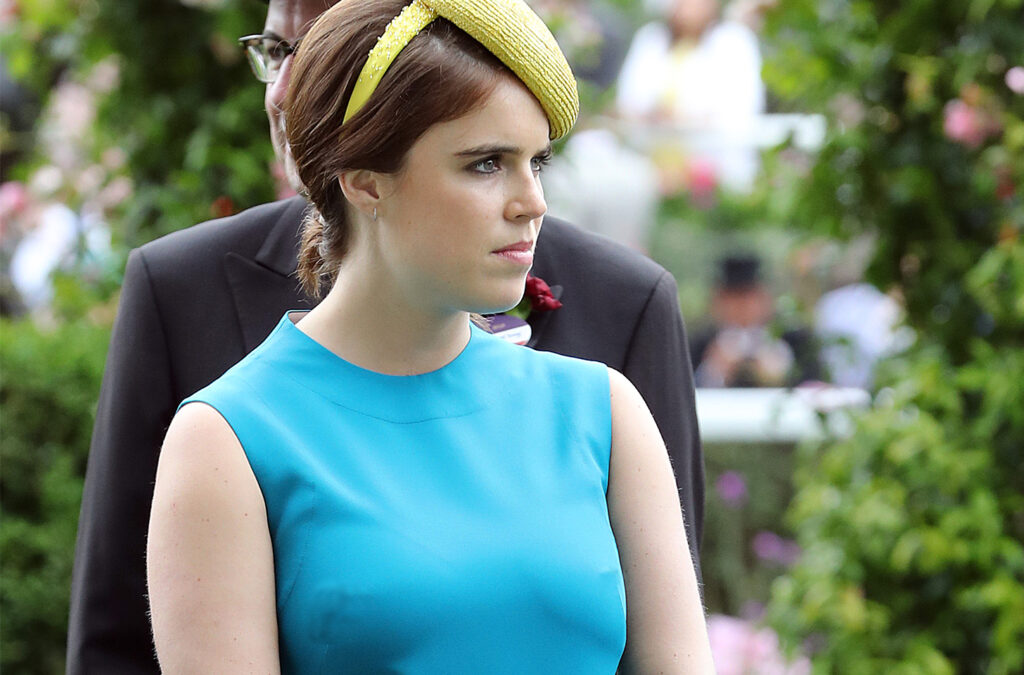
(375, 214)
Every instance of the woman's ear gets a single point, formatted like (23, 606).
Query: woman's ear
(362, 188)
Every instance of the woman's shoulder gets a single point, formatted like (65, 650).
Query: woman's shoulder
(196, 428)
(526, 362)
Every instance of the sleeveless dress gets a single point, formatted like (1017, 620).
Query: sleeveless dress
(450, 522)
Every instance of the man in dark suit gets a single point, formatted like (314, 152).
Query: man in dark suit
(744, 347)
(196, 301)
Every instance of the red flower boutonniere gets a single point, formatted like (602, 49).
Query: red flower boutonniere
(538, 298)
(539, 295)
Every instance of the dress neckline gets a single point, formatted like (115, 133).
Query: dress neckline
(291, 326)
(442, 393)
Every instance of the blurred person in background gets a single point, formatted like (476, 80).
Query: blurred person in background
(741, 348)
(55, 222)
(235, 278)
(42, 236)
(857, 324)
(698, 75)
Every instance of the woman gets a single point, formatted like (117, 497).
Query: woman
(382, 486)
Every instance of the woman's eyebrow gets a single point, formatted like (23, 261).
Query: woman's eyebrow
(497, 150)
(489, 150)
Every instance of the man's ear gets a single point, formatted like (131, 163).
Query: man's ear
(362, 188)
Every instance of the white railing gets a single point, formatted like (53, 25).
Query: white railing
(776, 415)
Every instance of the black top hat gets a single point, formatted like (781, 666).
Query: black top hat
(739, 272)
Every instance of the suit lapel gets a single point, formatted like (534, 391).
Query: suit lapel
(261, 297)
(265, 286)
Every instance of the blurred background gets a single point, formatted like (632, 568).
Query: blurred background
(837, 186)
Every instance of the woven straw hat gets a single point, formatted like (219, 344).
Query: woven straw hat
(509, 29)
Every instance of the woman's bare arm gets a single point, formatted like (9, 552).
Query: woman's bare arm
(665, 628)
(210, 565)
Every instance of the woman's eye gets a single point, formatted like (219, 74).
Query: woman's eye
(538, 163)
(486, 165)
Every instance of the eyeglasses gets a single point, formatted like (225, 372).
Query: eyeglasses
(266, 55)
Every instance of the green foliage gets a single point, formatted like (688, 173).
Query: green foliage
(893, 77)
(912, 528)
(737, 580)
(196, 130)
(48, 385)
(185, 108)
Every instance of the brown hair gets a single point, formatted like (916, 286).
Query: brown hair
(441, 75)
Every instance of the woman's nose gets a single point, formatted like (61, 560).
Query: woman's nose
(528, 199)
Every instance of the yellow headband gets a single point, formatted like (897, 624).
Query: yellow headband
(509, 29)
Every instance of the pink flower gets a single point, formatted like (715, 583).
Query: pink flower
(73, 108)
(1015, 79)
(771, 547)
(13, 198)
(741, 647)
(967, 124)
(9, 12)
(702, 180)
(732, 488)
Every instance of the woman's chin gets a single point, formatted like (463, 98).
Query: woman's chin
(496, 305)
(498, 299)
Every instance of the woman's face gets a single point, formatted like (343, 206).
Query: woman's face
(690, 18)
(458, 224)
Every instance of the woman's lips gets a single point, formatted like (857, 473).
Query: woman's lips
(520, 253)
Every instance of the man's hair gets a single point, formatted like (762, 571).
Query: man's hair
(441, 75)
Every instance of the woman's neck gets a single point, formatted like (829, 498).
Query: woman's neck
(364, 324)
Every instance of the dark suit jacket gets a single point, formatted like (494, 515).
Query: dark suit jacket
(196, 301)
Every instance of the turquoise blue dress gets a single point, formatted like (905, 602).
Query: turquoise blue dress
(451, 522)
